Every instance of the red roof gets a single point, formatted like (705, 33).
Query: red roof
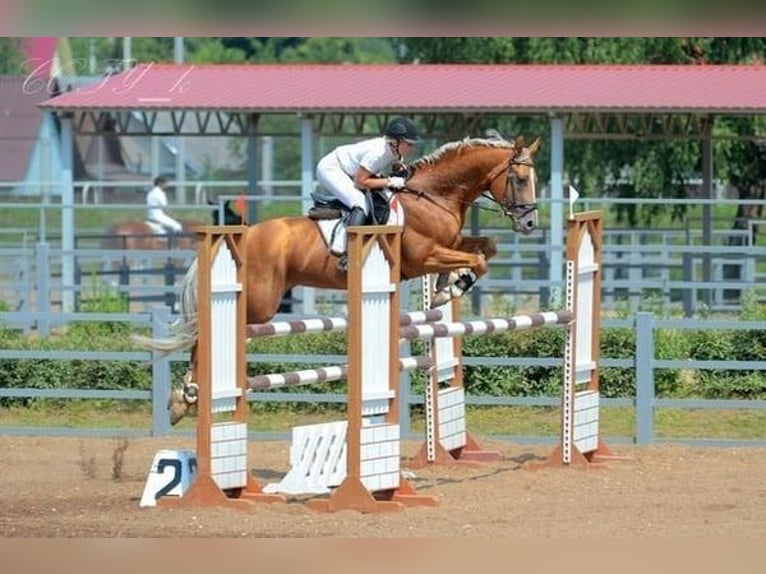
(414, 88)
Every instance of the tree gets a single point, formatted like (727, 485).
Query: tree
(11, 56)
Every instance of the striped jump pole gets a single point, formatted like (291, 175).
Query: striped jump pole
(323, 375)
(486, 326)
(447, 440)
(326, 324)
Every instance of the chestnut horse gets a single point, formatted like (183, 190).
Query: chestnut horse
(289, 251)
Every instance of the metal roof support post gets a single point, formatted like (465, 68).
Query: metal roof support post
(707, 208)
(307, 186)
(556, 269)
(252, 168)
(67, 213)
(180, 159)
(156, 162)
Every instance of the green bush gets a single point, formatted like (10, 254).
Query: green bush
(479, 380)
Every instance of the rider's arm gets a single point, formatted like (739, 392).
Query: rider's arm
(364, 179)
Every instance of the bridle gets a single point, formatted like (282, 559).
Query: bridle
(514, 209)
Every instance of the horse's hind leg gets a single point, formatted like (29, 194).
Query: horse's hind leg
(181, 400)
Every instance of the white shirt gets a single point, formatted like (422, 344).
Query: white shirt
(374, 155)
(156, 200)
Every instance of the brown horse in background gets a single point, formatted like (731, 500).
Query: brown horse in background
(139, 235)
(289, 251)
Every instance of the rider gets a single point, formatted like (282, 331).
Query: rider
(351, 168)
(156, 201)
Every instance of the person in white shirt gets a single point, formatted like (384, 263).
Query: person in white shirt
(351, 168)
(156, 202)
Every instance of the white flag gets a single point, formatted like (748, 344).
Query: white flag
(573, 195)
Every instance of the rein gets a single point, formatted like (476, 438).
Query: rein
(510, 208)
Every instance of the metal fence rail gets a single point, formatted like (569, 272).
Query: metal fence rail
(645, 402)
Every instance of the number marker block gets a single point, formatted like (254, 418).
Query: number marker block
(171, 474)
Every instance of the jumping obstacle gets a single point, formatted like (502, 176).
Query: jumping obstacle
(373, 480)
(580, 443)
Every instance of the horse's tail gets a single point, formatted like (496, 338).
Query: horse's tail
(187, 325)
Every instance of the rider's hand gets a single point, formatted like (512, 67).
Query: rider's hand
(396, 182)
(400, 169)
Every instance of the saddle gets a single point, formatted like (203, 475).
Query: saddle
(378, 204)
(378, 208)
(331, 216)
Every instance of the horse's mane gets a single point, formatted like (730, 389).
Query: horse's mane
(455, 147)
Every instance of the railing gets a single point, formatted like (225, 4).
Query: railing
(660, 277)
(644, 362)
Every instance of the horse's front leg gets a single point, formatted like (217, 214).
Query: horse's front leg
(457, 282)
(480, 244)
(458, 271)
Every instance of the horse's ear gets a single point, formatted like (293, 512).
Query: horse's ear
(535, 145)
(518, 145)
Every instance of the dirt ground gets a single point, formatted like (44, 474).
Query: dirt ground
(64, 487)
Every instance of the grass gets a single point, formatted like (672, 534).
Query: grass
(483, 421)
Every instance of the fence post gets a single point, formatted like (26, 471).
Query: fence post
(689, 294)
(644, 366)
(43, 289)
(160, 374)
(170, 280)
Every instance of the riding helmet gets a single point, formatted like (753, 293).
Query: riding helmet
(402, 129)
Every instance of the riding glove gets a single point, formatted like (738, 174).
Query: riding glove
(396, 182)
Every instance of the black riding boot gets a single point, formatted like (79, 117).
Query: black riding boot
(355, 217)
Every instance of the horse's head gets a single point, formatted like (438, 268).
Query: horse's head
(516, 192)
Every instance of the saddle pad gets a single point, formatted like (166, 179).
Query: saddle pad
(333, 231)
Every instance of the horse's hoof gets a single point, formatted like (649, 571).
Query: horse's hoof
(177, 406)
(191, 393)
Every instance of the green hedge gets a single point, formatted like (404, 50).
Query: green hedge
(479, 380)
